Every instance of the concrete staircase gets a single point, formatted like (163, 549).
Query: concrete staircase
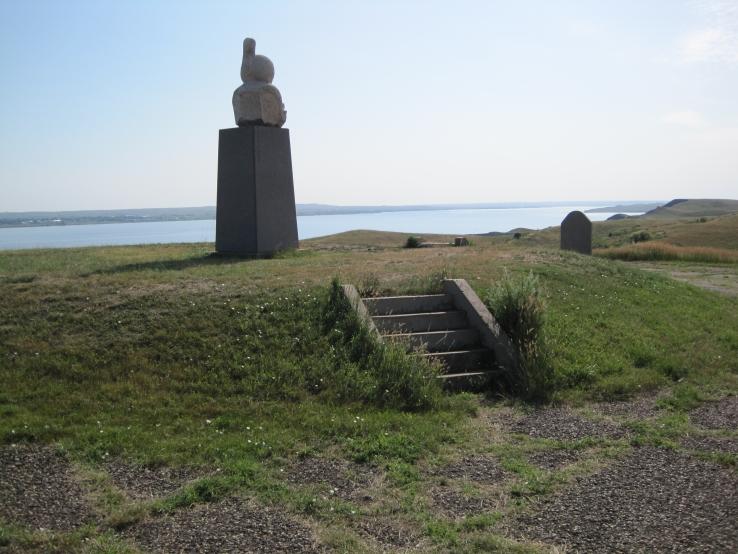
(454, 328)
(433, 324)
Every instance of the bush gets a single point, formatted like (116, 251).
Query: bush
(413, 242)
(641, 236)
(519, 309)
(368, 370)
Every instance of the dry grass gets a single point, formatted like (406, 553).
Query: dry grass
(660, 251)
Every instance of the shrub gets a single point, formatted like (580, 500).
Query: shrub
(368, 370)
(518, 307)
(413, 242)
(640, 236)
(517, 235)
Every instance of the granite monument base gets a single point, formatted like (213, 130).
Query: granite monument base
(255, 214)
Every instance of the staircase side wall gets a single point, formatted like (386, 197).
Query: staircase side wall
(480, 318)
(354, 298)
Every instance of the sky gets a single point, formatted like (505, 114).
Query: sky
(110, 104)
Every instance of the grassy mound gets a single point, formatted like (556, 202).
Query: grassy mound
(167, 355)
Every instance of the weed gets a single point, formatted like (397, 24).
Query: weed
(518, 307)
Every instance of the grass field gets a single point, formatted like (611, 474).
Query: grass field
(167, 356)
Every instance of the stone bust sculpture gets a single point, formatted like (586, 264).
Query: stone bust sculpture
(257, 101)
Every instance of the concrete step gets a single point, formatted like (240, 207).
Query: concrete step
(388, 305)
(460, 361)
(413, 323)
(468, 381)
(437, 341)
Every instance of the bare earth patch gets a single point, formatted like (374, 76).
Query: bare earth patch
(479, 468)
(565, 425)
(640, 408)
(722, 414)
(146, 483)
(38, 489)
(458, 505)
(345, 480)
(655, 500)
(232, 525)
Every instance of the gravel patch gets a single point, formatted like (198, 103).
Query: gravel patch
(348, 481)
(457, 505)
(655, 500)
(554, 459)
(233, 525)
(727, 445)
(38, 489)
(563, 424)
(389, 535)
(478, 468)
(146, 483)
(722, 414)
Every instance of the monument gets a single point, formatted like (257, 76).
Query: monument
(576, 233)
(255, 212)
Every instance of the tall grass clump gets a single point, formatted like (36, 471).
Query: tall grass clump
(365, 369)
(517, 305)
(661, 251)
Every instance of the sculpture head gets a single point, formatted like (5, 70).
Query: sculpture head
(253, 67)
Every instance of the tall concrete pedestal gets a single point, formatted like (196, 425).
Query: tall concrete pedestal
(255, 215)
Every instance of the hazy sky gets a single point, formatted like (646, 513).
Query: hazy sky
(117, 104)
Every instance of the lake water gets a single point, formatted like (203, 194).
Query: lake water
(456, 222)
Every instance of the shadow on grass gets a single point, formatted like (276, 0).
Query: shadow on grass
(206, 260)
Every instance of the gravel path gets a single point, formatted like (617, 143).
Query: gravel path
(554, 459)
(38, 489)
(563, 424)
(233, 525)
(655, 500)
(144, 483)
(727, 445)
(722, 414)
(345, 480)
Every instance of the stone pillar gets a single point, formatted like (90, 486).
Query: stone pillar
(576, 233)
(255, 214)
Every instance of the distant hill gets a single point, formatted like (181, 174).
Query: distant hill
(683, 207)
(626, 208)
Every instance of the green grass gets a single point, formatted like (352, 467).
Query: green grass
(167, 355)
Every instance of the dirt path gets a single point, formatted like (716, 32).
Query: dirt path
(722, 278)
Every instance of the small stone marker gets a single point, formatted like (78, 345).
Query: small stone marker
(255, 214)
(576, 233)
